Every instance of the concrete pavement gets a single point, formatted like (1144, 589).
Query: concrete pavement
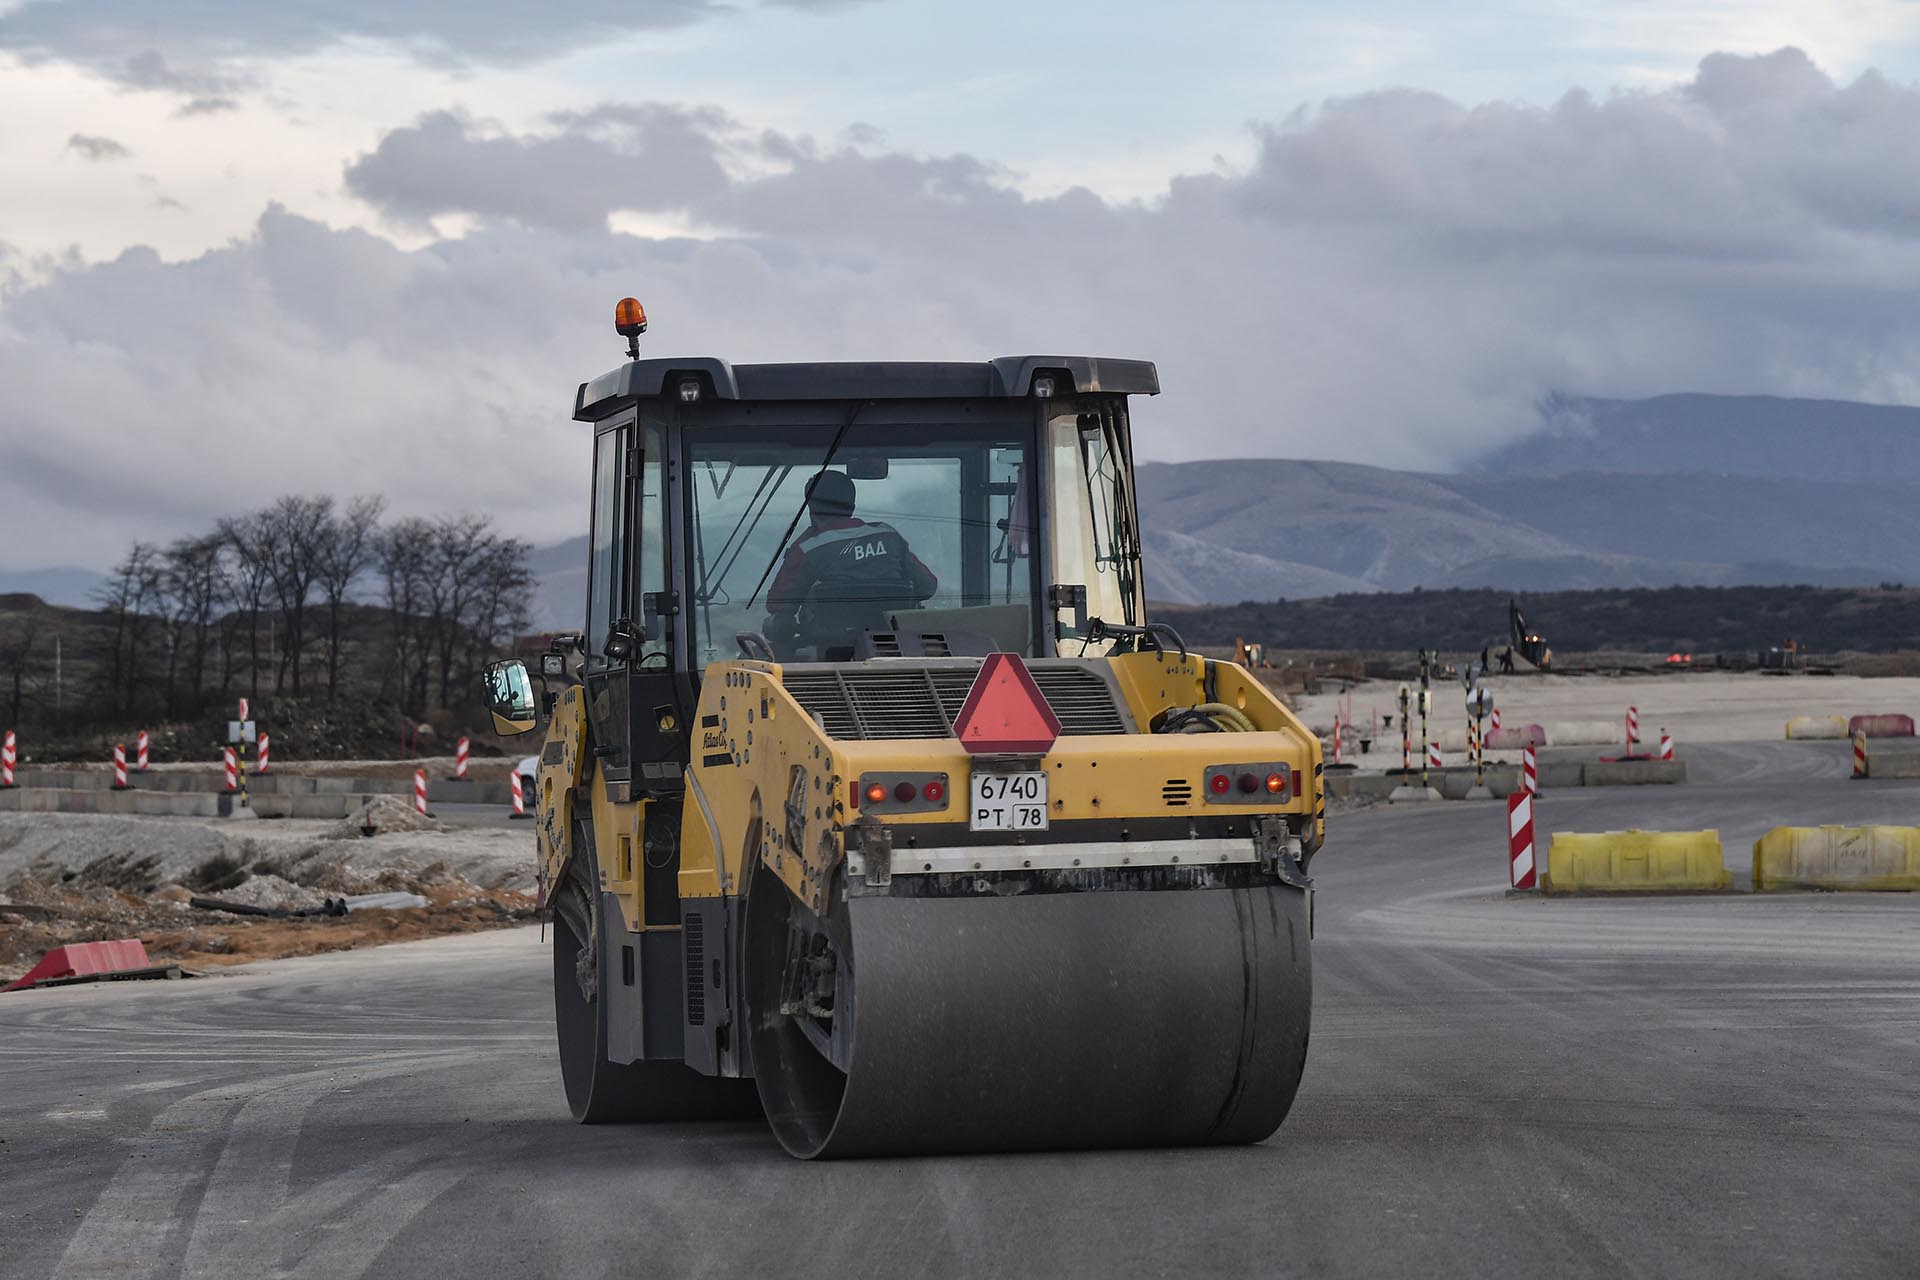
(1675, 1087)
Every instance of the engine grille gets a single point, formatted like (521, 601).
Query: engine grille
(921, 701)
(1176, 792)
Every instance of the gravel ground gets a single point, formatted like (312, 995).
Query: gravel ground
(157, 851)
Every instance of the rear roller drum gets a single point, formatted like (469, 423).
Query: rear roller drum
(1111, 1018)
(601, 1091)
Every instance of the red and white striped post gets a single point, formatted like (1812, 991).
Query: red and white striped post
(140, 751)
(6, 759)
(460, 761)
(1433, 755)
(1529, 771)
(1666, 745)
(266, 741)
(243, 709)
(1859, 754)
(1633, 728)
(1520, 868)
(232, 769)
(519, 794)
(1493, 721)
(420, 792)
(119, 766)
(1336, 737)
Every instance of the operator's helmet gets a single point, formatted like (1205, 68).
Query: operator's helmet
(830, 493)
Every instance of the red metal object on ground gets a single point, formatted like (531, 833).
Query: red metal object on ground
(85, 959)
(1520, 866)
(1529, 771)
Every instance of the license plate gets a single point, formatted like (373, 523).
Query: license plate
(1009, 802)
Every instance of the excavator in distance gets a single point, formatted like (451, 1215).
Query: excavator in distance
(870, 799)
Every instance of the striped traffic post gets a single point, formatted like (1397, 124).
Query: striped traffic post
(265, 742)
(231, 768)
(1520, 865)
(1529, 771)
(460, 761)
(519, 794)
(1859, 755)
(140, 751)
(1666, 745)
(420, 792)
(6, 759)
(1633, 728)
(119, 766)
(1433, 755)
(1493, 721)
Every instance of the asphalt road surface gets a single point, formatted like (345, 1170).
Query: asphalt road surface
(1705, 1086)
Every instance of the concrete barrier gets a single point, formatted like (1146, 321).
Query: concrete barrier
(1817, 727)
(1631, 773)
(1635, 862)
(1884, 760)
(1585, 733)
(1881, 726)
(1865, 858)
(1515, 737)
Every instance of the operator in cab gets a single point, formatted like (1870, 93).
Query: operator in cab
(841, 576)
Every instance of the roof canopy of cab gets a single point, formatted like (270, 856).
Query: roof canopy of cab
(1008, 376)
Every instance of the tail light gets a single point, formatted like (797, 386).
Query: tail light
(1264, 783)
(895, 792)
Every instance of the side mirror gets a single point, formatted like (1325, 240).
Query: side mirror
(510, 697)
(623, 641)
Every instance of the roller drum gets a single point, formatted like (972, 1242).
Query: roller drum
(1110, 1018)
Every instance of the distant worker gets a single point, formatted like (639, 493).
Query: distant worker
(842, 575)
(1506, 661)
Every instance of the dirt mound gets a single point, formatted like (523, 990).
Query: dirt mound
(384, 814)
(37, 915)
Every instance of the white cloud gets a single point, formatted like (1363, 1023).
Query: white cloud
(1394, 278)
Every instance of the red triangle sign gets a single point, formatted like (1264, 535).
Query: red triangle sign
(1005, 712)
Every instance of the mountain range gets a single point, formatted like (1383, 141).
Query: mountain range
(1692, 490)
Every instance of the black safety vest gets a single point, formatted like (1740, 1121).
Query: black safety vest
(866, 555)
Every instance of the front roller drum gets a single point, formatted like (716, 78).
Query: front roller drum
(1037, 1021)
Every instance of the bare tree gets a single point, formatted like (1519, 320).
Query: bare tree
(194, 578)
(18, 632)
(126, 596)
(401, 557)
(347, 546)
(245, 538)
(293, 528)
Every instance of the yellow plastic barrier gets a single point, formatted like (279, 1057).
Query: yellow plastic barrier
(1837, 858)
(1635, 862)
(1817, 727)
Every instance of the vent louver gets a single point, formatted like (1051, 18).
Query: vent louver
(919, 701)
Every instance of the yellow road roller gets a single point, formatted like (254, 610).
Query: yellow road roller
(870, 798)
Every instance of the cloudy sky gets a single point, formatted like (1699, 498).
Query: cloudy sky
(359, 246)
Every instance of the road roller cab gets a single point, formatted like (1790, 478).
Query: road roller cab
(871, 797)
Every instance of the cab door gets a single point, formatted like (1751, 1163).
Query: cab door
(609, 598)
